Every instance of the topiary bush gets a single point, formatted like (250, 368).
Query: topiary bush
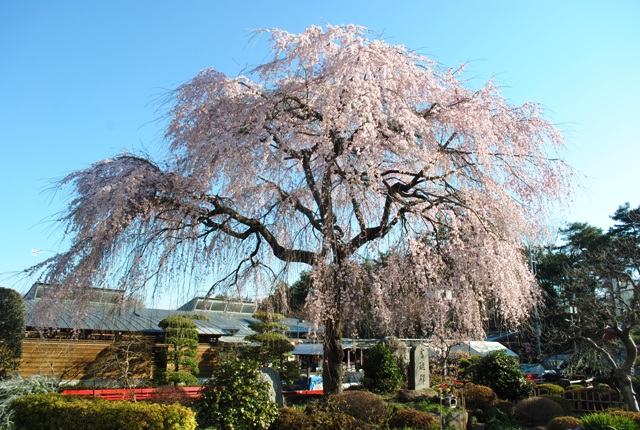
(480, 397)
(235, 398)
(289, 418)
(537, 411)
(565, 404)
(564, 423)
(549, 389)
(409, 418)
(55, 411)
(362, 405)
(606, 421)
(381, 372)
(320, 419)
(502, 373)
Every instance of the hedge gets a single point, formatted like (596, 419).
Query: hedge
(55, 411)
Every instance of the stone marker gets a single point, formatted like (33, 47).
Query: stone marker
(272, 377)
(418, 367)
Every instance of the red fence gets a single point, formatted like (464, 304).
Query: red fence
(140, 393)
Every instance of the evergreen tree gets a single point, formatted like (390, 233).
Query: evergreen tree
(12, 321)
(273, 348)
(181, 336)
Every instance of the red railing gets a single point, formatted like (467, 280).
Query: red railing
(140, 393)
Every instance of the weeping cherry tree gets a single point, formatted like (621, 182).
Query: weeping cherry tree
(340, 147)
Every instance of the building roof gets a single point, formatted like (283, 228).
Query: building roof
(108, 317)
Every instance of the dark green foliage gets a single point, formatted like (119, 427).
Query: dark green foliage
(362, 405)
(54, 411)
(606, 421)
(273, 348)
(564, 403)
(235, 398)
(479, 396)
(180, 378)
(181, 335)
(537, 411)
(502, 373)
(298, 293)
(12, 321)
(381, 373)
(409, 418)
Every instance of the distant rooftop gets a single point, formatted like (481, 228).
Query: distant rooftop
(219, 305)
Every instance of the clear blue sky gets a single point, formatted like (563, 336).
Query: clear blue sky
(80, 81)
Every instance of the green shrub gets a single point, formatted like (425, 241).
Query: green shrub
(565, 404)
(550, 389)
(54, 411)
(574, 387)
(289, 418)
(362, 405)
(537, 411)
(604, 421)
(235, 398)
(12, 322)
(180, 377)
(506, 407)
(414, 419)
(564, 423)
(14, 388)
(381, 372)
(502, 373)
(480, 396)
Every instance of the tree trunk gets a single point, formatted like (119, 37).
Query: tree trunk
(626, 388)
(333, 353)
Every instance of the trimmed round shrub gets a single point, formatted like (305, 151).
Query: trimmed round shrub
(549, 389)
(381, 371)
(413, 419)
(480, 396)
(565, 404)
(574, 387)
(604, 421)
(362, 405)
(289, 418)
(537, 411)
(332, 420)
(564, 423)
(235, 398)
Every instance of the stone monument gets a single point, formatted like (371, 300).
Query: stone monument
(272, 377)
(418, 367)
